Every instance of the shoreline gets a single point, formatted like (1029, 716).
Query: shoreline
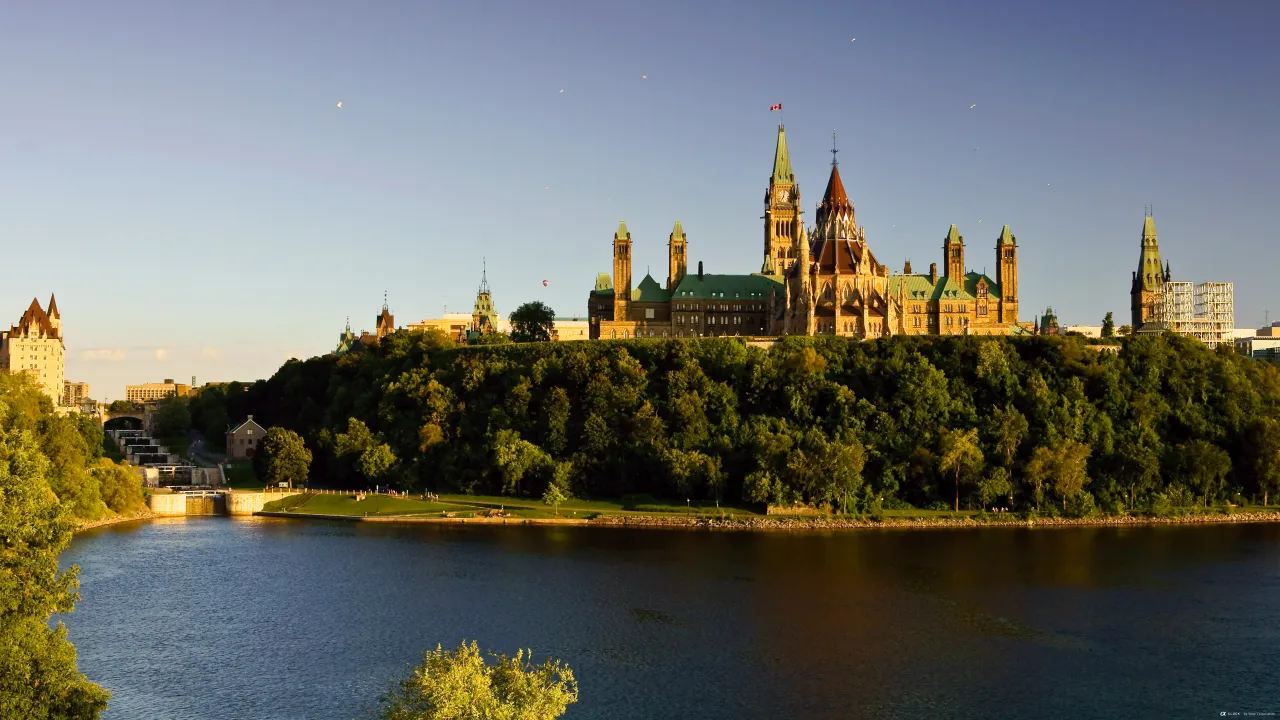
(117, 520)
(795, 524)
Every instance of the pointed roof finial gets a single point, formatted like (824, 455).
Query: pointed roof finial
(484, 276)
(384, 299)
(781, 158)
(834, 150)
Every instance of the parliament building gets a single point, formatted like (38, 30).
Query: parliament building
(817, 280)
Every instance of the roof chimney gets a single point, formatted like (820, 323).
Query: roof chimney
(906, 269)
(699, 270)
(250, 418)
(933, 273)
(168, 381)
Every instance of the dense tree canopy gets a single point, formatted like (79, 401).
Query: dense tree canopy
(38, 675)
(284, 458)
(1056, 424)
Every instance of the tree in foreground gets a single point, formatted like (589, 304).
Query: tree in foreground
(532, 322)
(285, 458)
(460, 685)
(961, 455)
(38, 674)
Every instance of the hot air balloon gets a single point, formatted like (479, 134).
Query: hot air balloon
(545, 283)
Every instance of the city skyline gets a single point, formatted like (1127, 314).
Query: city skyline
(215, 213)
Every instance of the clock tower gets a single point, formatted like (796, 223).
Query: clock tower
(781, 212)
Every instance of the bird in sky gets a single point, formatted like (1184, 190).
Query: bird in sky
(854, 40)
(644, 77)
(561, 89)
(339, 104)
(973, 106)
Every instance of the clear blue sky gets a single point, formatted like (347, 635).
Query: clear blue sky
(179, 174)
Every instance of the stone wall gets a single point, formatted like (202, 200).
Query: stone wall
(167, 504)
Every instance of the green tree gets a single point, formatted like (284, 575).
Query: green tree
(846, 459)
(553, 496)
(994, 486)
(38, 675)
(491, 338)
(1124, 331)
(1205, 466)
(1108, 327)
(123, 406)
(1264, 437)
(1063, 467)
(460, 685)
(121, 487)
(960, 454)
(532, 322)
(376, 461)
(173, 416)
(284, 457)
(515, 457)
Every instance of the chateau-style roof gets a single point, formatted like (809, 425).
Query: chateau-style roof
(726, 287)
(1148, 227)
(782, 160)
(53, 306)
(953, 236)
(835, 196)
(623, 233)
(649, 291)
(842, 254)
(1006, 237)
(604, 285)
(918, 287)
(34, 322)
(971, 281)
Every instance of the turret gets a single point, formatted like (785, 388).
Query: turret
(677, 257)
(1007, 274)
(781, 209)
(621, 271)
(1150, 277)
(953, 254)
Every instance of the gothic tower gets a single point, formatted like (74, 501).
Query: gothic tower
(781, 211)
(677, 257)
(953, 255)
(1007, 275)
(385, 323)
(484, 318)
(1149, 279)
(621, 272)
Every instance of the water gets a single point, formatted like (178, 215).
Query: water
(265, 618)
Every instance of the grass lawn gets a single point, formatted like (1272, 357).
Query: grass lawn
(592, 507)
(240, 475)
(371, 505)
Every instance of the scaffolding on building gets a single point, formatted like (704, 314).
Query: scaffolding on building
(1204, 311)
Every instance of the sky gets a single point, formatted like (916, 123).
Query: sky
(179, 173)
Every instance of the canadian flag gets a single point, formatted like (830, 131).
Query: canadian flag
(775, 107)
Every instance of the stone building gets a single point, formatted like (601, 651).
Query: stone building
(35, 346)
(243, 439)
(384, 324)
(819, 280)
(1149, 278)
(74, 394)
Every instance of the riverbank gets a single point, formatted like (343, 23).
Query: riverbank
(115, 520)
(807, 524)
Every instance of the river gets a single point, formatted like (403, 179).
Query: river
(214, 618)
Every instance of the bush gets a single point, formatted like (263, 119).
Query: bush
(1080, 505)
(121, 487)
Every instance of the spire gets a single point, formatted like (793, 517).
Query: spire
(1006, 237)
(781, 160)
(1148, 228)
(623, 233)
(834, 149)
(835, 196)
(384, 301)
(53, 306)
(484, 276)
(953, 235)
(677, 231)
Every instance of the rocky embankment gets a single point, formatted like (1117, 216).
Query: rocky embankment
(114, 520)
(828, 523)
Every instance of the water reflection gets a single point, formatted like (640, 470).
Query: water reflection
(262, 617)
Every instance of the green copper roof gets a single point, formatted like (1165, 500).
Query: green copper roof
(781, 160)
(604, 282)
(649, 291)
(677, 231)
(1148, 227)
(622, 229)
(918, 287)
(953, 235)
(1150, 270)
(971, 285)
(1006, 237)
(726, 287)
